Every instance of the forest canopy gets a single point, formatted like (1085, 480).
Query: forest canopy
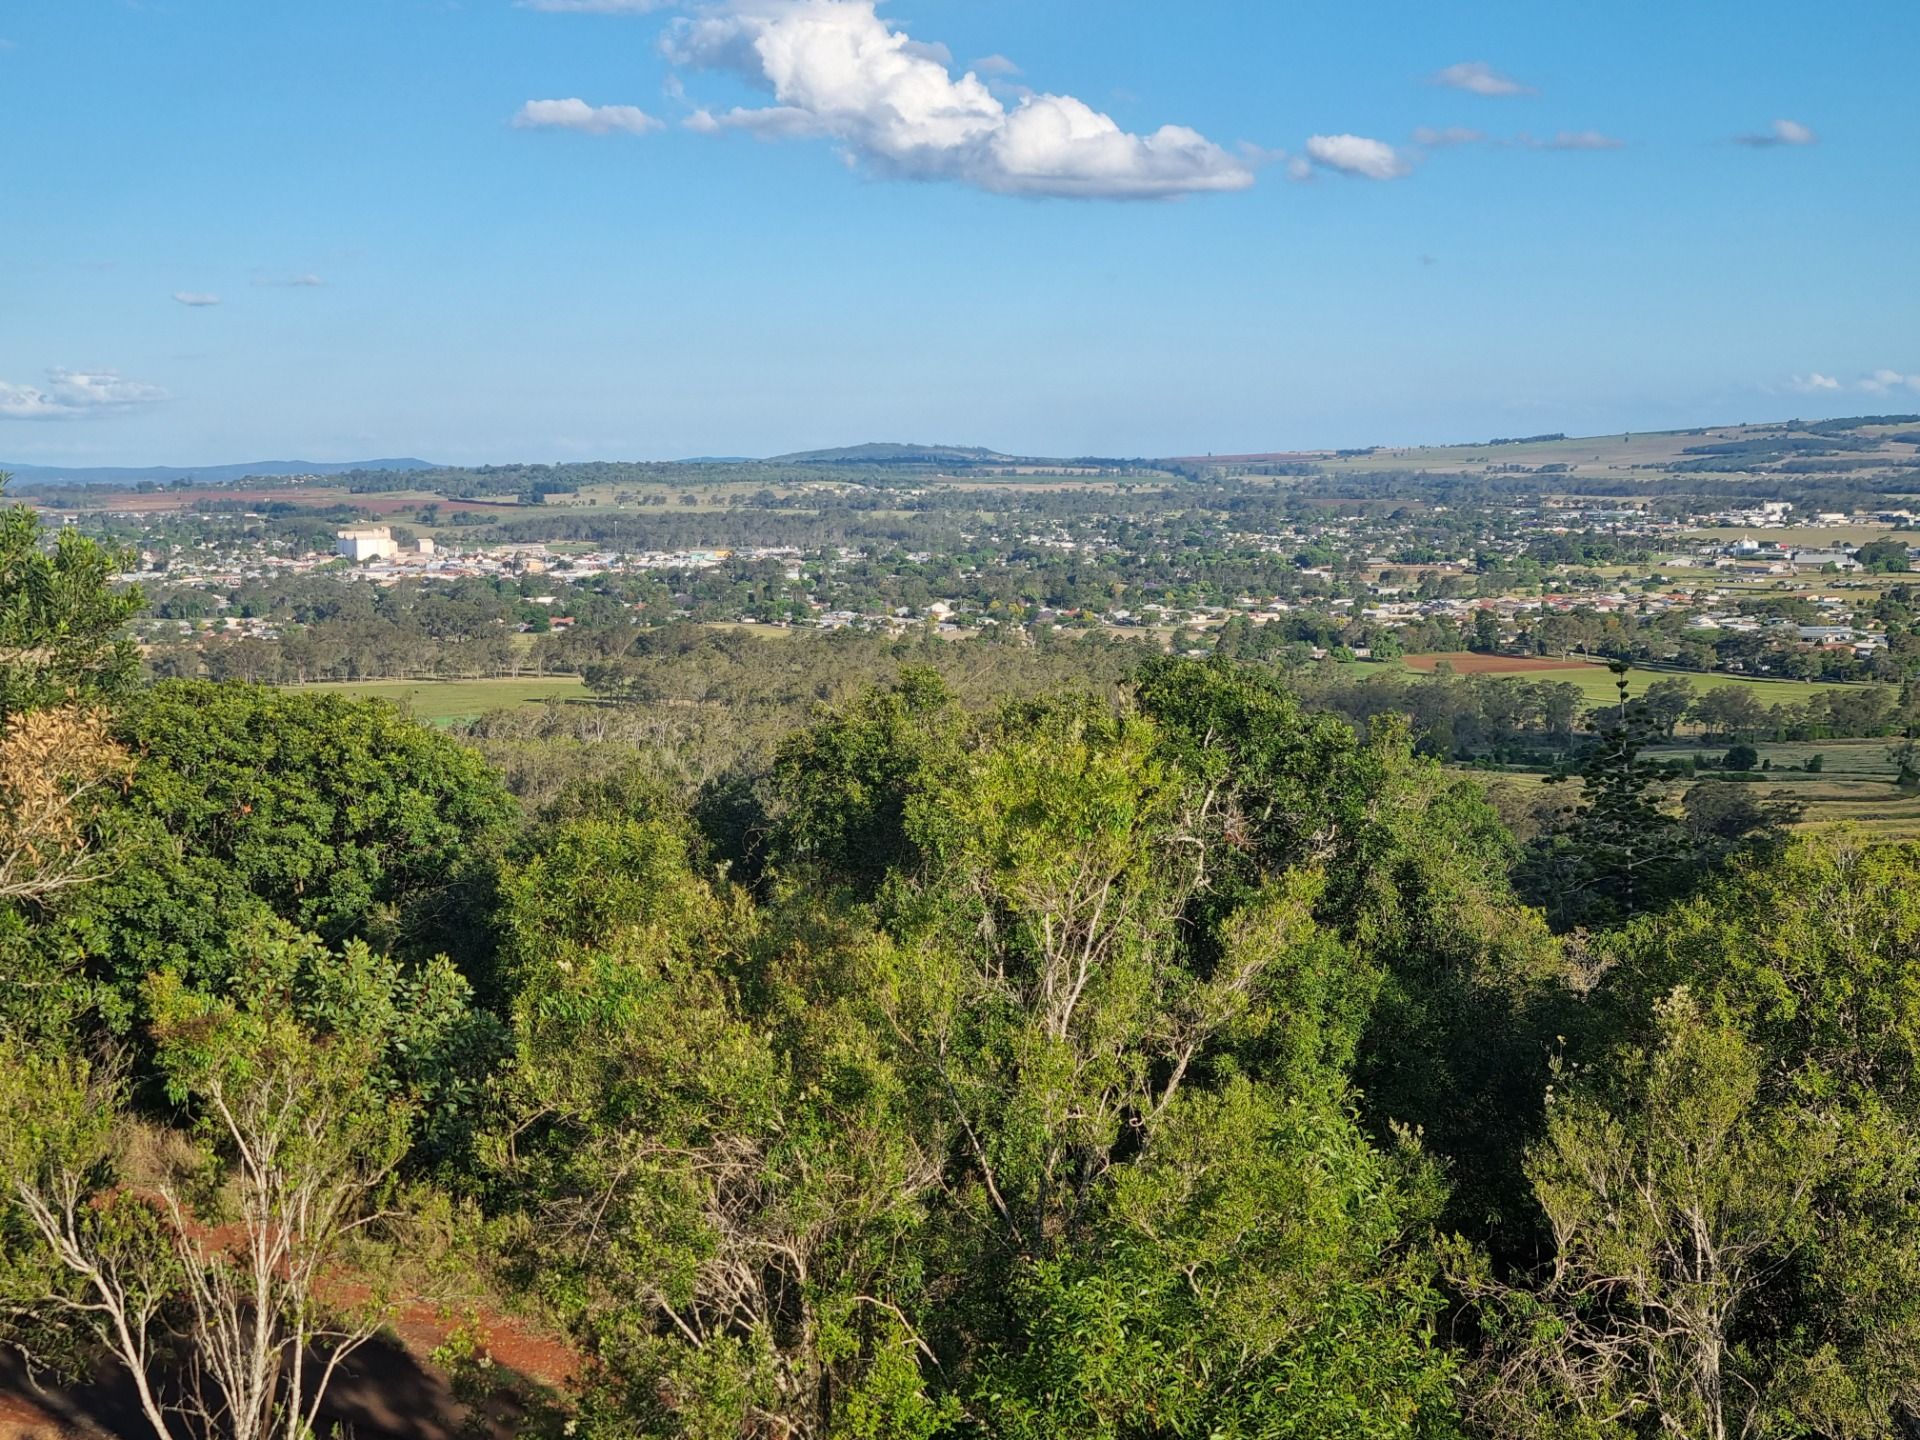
(1155, 1057)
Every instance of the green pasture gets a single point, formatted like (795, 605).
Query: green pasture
(1598, 684)
(441, 702)
(1847, 792)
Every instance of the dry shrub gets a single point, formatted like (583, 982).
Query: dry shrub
(55, 765)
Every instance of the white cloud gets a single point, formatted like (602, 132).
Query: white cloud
(1358, 155)
(198, 299)
(835, 69)
(593, 7)
(1440, 139)
(1881, 382)
(1574, 140)
(296, 282)
(1480, 78)
(71, 394)
(996, 65)
(1813, 383)
(1781, 132)
(577, 114)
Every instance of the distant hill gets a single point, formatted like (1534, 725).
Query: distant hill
(886, 453)
(206, 474)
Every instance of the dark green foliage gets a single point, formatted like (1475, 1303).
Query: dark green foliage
(1055, 1063)
(1884, 556)
(1221, 1298)
(1450, 990)
(61, 620)
(1618, 851)
(1622, 851)
(845, 784)
(1732, 1172)
(339, 816)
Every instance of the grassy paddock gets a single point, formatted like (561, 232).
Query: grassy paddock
(441, 702)
(1596, 682)
(1853, 787)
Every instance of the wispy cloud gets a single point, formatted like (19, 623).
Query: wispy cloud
(1573, 140)
(836, 70)
(1879, 382)
(1479, 78)
(1781, 132)
(577, 114)
(291, 282)
(996, 65)
(73, 394)
(1885, 382)
(1432, 139)
(1359, 156)
(197, 299)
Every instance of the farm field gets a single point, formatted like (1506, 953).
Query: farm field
(1860, 759)
(1855, 787)
(1594, 455)
(442, 702)
(1466, 662)
(1596, 682)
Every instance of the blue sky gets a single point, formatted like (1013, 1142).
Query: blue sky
(774, 224)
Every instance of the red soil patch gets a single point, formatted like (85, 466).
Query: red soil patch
(387, 1391)
(1466, 663)
(391, 1389)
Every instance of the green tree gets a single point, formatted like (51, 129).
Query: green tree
(1666, 703)
(1434, 984)
(216, 1278)
(720, 1177)
(869, 1157)
(1617, 851)
(1733, 1169)
(1222, 1290)
(62, 622)
(844, 784)
(1729, 712)
(341, 816)
(1081, 1053)
(1672, 1206)
(1884, 556)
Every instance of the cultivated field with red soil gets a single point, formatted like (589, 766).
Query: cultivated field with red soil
(1466, 663)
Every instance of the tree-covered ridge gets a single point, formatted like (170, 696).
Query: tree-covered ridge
(981, 1056)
